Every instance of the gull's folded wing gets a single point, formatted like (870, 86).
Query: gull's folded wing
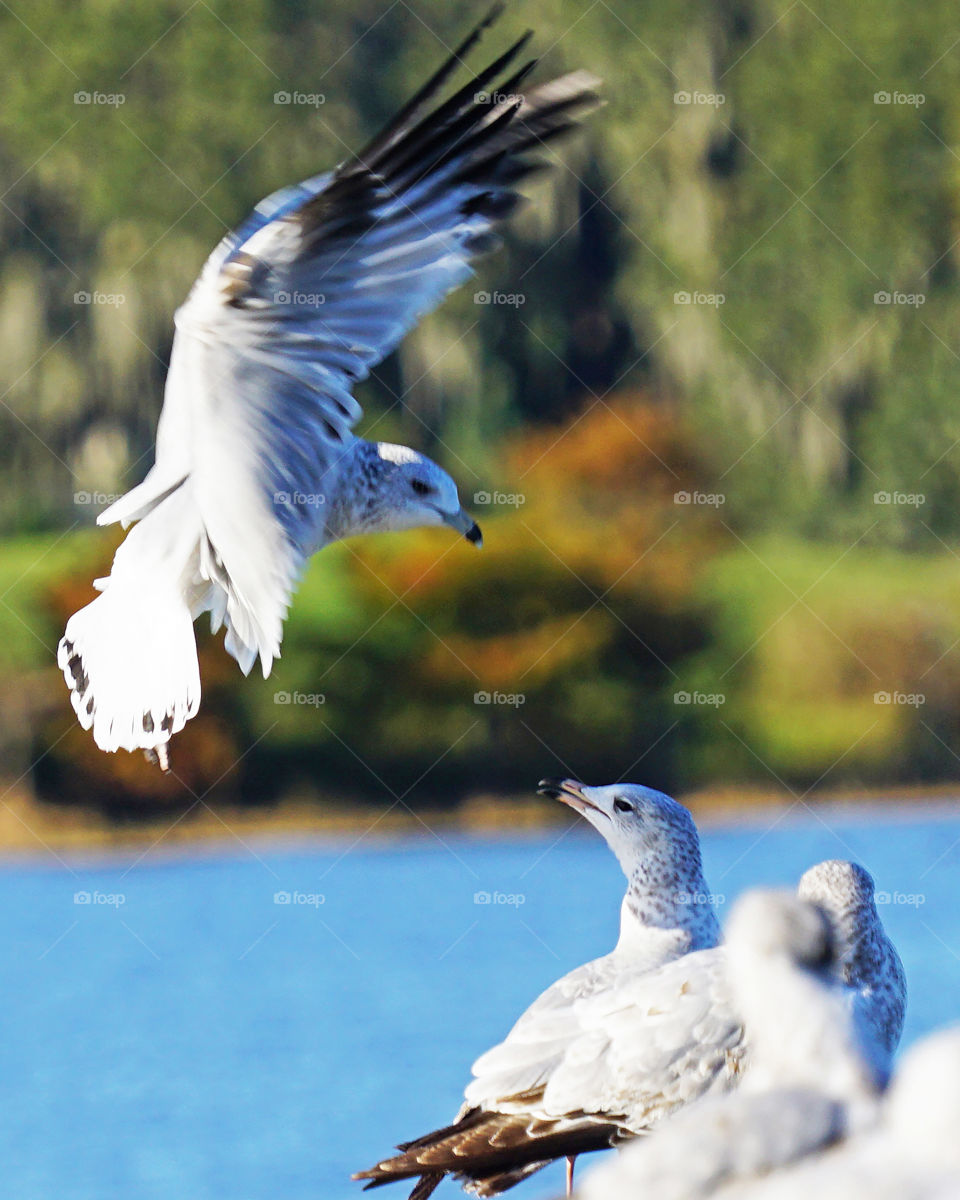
(634, 1050)
(591, 1062)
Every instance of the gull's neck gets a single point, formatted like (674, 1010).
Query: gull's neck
(860, 940)
(868, 961)
(667, 910)
(354, 503)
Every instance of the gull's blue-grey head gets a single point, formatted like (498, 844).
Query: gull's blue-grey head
(389, 487)
(838, 884)
(637, 823)
(845, 892)
(657, 845)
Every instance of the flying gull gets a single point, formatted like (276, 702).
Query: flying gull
(867, 961)
(615, 1044)
(256, 464)
(812, 1077)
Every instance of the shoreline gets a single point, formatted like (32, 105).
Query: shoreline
(32, 833)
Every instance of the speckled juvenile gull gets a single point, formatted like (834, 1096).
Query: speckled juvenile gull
(256, 464)
(867, 961)
(811, 1076)
(782, 969)
(616, 1044)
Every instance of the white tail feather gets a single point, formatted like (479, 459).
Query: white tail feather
(130, 656)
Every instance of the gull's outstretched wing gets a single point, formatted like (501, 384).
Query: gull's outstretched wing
(320, 283)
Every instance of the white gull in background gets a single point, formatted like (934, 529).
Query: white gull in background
(911, 1152)
(812, 1077)
(867, 961)
(257, 466)
(615, 1044)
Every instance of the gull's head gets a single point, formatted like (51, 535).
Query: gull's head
(640, 825)
(838, 886)
(413, 492)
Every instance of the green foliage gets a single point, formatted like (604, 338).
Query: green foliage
(832, 662)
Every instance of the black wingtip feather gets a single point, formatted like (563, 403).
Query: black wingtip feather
(436, 81)
(478, 138)
(411, 141)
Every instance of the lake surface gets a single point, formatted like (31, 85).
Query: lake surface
(185, 1035)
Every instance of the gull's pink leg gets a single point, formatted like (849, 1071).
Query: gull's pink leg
(570, 1158)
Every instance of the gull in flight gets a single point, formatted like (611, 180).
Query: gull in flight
(614, 1045)
(257, 466)
(812, 1077)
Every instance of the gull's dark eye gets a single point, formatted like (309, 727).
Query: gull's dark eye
(622, 805)
(421, 488)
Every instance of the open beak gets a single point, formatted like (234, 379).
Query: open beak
(570, 792)
(463, 523)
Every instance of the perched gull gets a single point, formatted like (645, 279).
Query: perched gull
(867, 961)
(256, 465)
(811, 1076)
(911, 1151)
(782, 970)
(614, 1045)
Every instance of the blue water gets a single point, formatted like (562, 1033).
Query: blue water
(200, 1040)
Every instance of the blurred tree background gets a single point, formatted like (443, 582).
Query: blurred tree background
(703, 401)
